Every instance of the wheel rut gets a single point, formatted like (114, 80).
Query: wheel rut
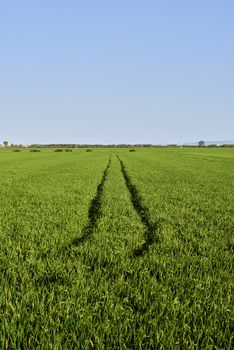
(94, 212)
(151, 228)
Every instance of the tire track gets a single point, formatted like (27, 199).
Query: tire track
(151, 228)
(94, 210)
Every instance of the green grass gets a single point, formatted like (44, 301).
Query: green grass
(117, 250)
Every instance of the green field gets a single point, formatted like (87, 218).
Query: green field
(112, 249)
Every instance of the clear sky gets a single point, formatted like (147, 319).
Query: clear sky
(119, 71)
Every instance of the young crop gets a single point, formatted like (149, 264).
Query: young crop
(132, 253)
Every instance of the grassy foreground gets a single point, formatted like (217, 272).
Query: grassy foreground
(117, 250)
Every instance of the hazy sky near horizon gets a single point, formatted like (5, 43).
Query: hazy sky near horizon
(126, 71)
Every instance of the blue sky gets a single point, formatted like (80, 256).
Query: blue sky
(126, 71)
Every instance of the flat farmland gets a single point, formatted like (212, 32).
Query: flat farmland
(112, 249)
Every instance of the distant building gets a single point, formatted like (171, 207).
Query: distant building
(201, 143)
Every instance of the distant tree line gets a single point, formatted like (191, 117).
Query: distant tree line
(123, 145)
(65, 145)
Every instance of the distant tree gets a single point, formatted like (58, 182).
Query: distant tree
(201, 143)
(5, 143)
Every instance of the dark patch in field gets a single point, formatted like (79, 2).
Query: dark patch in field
(94, 210)
(51, 278)
(150, 227)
